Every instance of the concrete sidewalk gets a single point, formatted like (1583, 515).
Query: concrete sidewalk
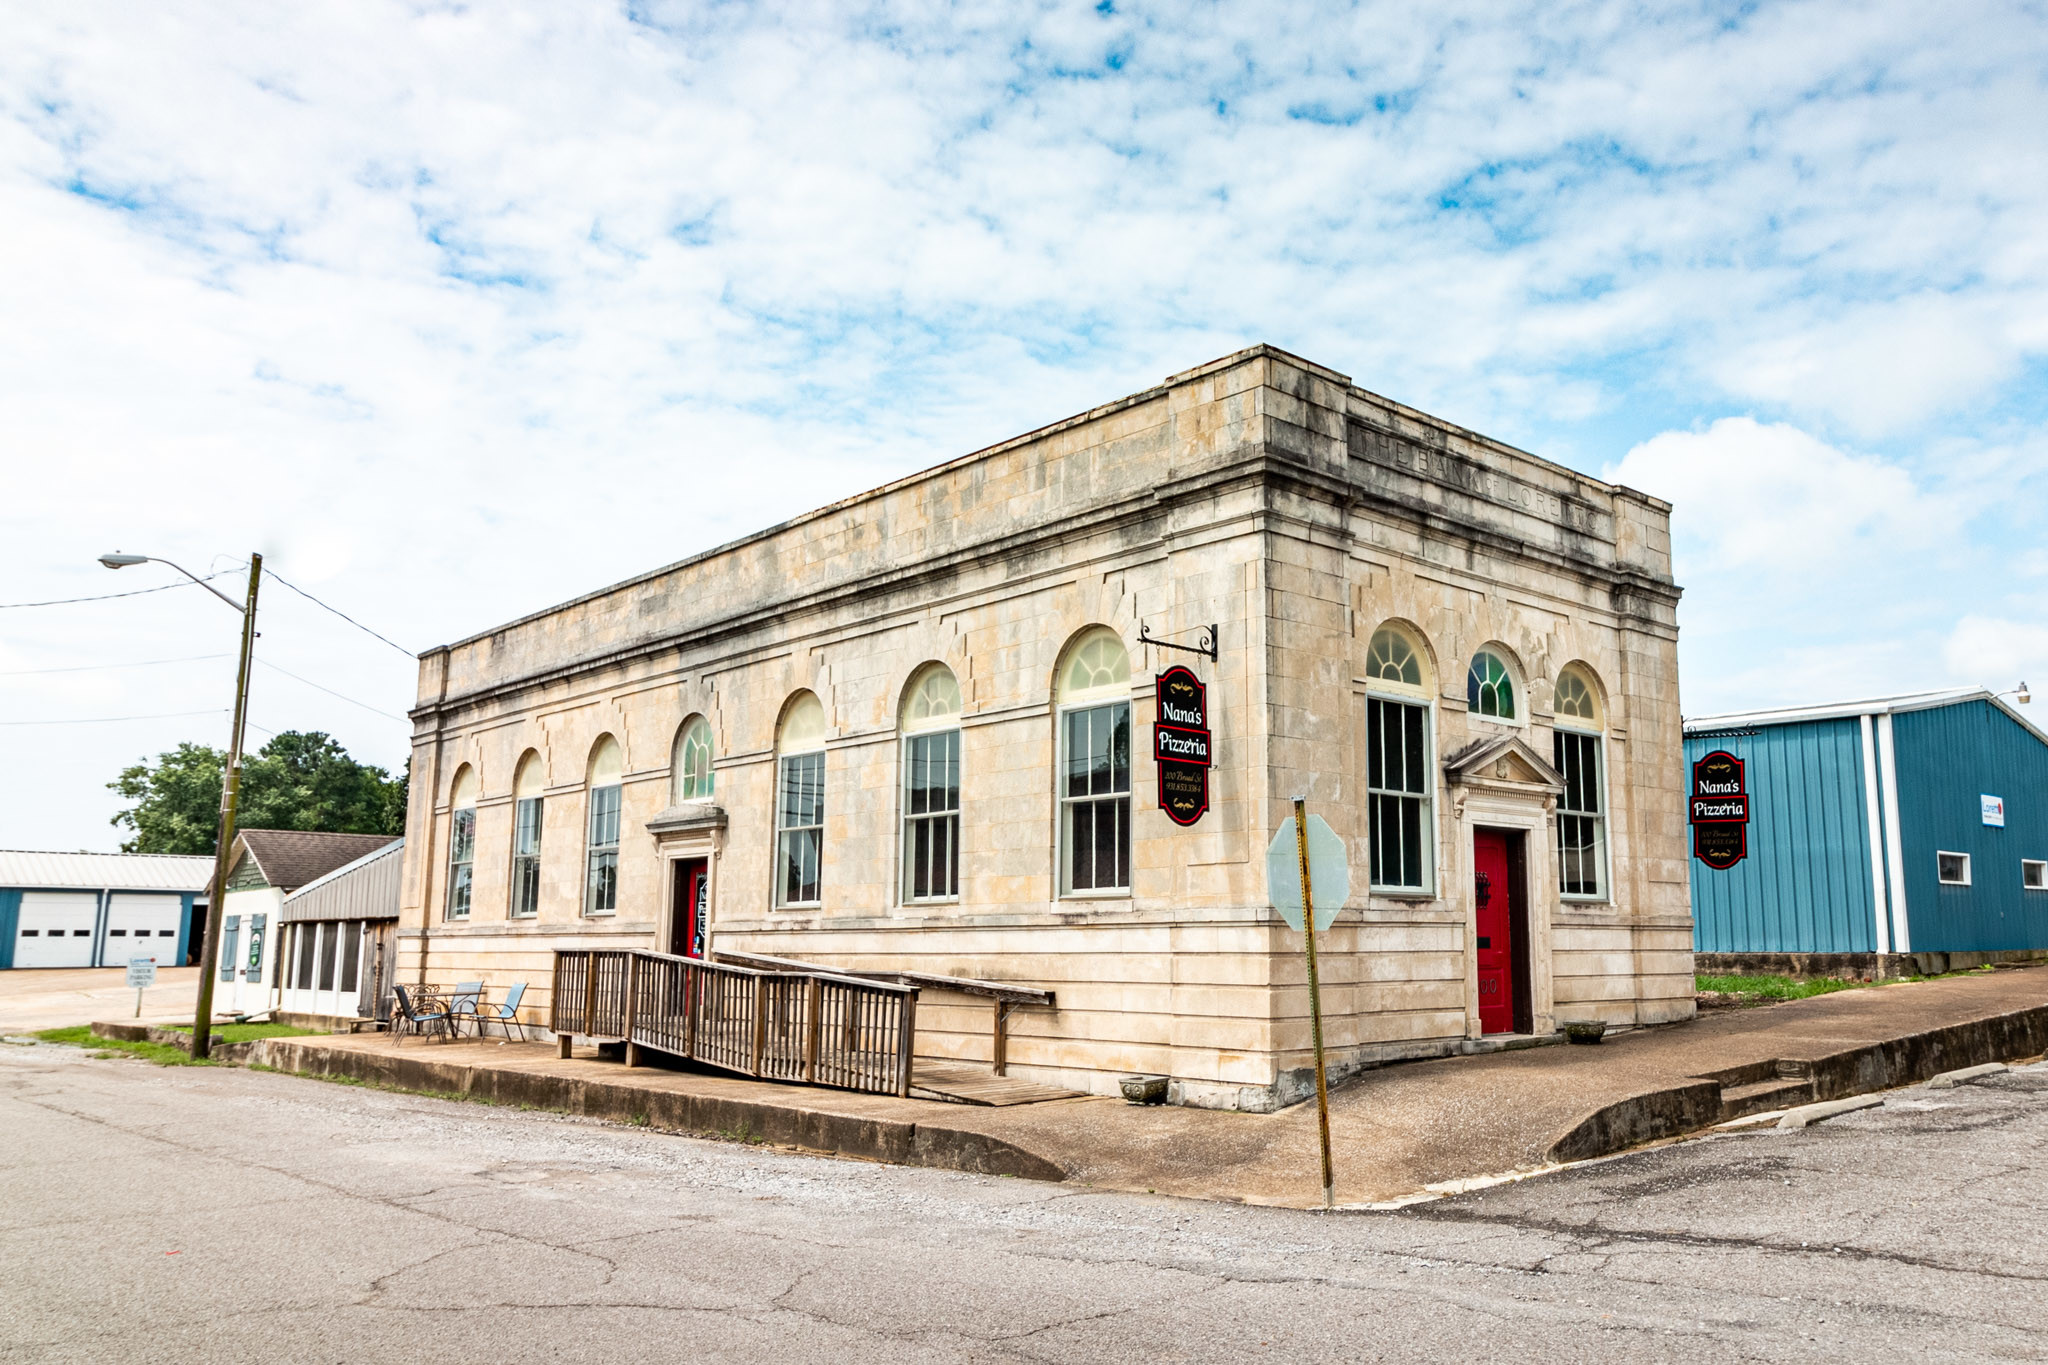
(1394, 1131)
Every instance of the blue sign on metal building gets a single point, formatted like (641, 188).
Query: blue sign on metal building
(1907, 824)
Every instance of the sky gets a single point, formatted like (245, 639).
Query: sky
(454, 312)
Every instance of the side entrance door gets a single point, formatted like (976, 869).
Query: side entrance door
(691, 904)
(1492, 898)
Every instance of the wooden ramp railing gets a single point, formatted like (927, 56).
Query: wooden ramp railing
(816, 1027)
(1005, 996)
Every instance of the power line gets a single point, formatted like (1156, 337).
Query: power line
(328, 690)
(346, 617)
(110, 720)
(109, 596)
(88, 668)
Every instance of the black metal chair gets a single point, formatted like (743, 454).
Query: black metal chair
(412, 1018)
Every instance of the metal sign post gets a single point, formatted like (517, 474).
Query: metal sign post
(1306, 853)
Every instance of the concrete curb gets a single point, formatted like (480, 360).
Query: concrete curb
(150, 1033)
(878, 1139)
(1808, 1114)
(1948, 1080)
(1673, 1111)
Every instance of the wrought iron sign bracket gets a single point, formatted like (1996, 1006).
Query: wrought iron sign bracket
(1207, 644)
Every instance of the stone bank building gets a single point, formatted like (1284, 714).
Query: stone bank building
(916, 730)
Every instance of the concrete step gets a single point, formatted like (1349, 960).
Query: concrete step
(1760, 1096)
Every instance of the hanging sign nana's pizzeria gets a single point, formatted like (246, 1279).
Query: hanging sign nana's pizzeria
(1719, 811)
(1180, 744)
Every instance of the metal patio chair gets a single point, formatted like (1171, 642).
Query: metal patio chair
(505, 1014)
(462, 1003)
(421, 1016)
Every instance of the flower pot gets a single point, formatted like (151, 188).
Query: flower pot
(1584, 1031)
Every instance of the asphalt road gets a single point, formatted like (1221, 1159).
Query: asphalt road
(227, 1215)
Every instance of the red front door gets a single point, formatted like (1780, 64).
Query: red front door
(686, 937)
(1491, 894)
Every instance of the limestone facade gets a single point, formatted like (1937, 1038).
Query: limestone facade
(1264, 495)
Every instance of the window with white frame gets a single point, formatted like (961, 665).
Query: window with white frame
(1095, 767)
(601, 857)
(931, 786)
(1952, 869)
(800, 803)
(527, 812)
(462, 843)
(1400, 828)
(2034, 874)
(690, 775)
(1397, 794)
(1582, 808)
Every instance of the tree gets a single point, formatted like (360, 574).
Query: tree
(296, 781)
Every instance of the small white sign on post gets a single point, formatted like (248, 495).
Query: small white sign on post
(1994, 811)
(141, 974)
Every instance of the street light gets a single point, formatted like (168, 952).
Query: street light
(230, 788)
(2018, 694)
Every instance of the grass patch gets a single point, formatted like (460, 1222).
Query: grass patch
(81, 1035)
(1774, 987)
(246, 1033)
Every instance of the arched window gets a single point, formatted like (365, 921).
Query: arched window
(930, 725)
(1398, 766)
(1582, 809)
(601, 847)
(800, 803)
(526, 825)
(1095, 766)
(690, 764)
(461, 841)
(1489, 687)
(1393, 658)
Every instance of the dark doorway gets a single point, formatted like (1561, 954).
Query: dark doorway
(1501, 923)
(690, 907)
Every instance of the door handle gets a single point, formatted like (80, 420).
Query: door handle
(1485, 889)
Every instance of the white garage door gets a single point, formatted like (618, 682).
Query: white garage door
(56, 929)
(142, 926)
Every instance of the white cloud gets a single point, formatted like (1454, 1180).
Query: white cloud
(1997, 653)
(1750, 495)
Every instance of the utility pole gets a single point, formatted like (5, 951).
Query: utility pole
(230, 792)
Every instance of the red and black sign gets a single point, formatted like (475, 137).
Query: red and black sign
(1180, 744)
(1719, 810)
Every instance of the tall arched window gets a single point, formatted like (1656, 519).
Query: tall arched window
(1398, 768)
(461, 842)
(1582, 810)
(930, 724)
(601, 844)
(1095, 766)
(1489, 687)
(690, 764)
(800, 802)
(526, 826)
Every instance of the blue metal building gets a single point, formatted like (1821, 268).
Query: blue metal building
(1914, 824)
(98, 909)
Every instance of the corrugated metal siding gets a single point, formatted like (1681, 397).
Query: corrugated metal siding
(1805, 886)
(104, 871)
(367, 888)
(1949, 757)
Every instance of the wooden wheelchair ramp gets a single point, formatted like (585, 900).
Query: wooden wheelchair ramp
(969, 1083)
